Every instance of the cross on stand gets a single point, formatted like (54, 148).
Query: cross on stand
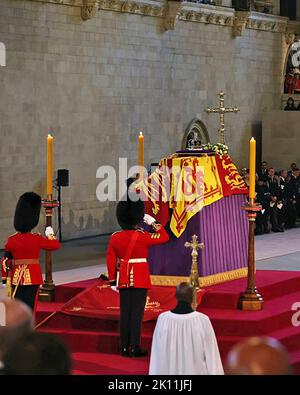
(194, 276)
(222, 110)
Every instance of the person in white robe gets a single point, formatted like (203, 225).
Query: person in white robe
(184, 342)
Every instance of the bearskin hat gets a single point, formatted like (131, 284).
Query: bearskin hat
(131, 209)
(27, 212)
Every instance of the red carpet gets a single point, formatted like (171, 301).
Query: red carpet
(94, 340)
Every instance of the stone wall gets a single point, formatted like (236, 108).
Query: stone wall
(95, 84)
(281, 139)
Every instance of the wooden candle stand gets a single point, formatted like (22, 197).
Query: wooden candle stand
(47, 290)
(251, 299)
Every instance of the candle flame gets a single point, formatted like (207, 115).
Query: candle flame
(141, 133)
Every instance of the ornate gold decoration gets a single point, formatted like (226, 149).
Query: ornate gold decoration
(194, 276)
(189, 12)
(222, 110)
(103, 286)
(195, 246)
(132, 7)
(173, 281)
(240, 21)
(171, 15)
(76, 308)
(204, 17)
(89, 9)
(290, 35)
(153, 306)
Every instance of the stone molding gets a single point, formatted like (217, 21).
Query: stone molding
(172, 11)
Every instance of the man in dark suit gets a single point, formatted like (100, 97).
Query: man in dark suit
(275, 203)
(293, 197)
(263, 197)
(263, 171)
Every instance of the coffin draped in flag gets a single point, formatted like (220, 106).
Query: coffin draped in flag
(181, 186)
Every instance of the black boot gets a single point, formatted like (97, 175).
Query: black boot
(124, 351)
(137, 351)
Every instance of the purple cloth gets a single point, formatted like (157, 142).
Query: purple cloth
(222, 227)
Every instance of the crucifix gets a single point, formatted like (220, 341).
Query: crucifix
(222, 110)
(194, 276)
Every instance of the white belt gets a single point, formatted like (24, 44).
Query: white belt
(137, 260)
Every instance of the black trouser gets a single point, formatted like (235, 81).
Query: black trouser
(283, 215)
(262, 221)
(132, 305)
(27, 294)
(274, 217)
(291, 214)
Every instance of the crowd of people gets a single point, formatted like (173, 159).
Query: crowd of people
(290, 105)
(292, 81)
(278, 192)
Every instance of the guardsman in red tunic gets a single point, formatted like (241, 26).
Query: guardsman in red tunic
(128, 250)
(20, 264)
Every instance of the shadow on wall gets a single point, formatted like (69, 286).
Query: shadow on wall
(88, 225)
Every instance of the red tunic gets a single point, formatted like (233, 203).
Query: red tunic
(297, 85)
(25, 249)
(136, 273)
(290, 82)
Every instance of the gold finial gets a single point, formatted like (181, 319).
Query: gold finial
(222, 110)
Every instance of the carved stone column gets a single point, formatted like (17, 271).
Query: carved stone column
(172, 14)
(240, 21)
(290, 36)
(89, 9)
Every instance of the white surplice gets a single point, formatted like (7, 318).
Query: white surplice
(184, 344)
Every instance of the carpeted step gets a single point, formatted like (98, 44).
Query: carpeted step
(92, 337)
(295, 360)
(289, 337)
(270, 284)
(66, 321)
(65, 292)
(44, 309)
(91, 341)
(276, 315)
(108, 364)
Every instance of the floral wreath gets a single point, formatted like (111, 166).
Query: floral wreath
(220, 149)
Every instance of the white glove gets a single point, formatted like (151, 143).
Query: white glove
(148, 219)
(114, 288)
(49, 231)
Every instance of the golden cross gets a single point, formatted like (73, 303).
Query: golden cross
(194, 245)
(222, 110)
(194, 276)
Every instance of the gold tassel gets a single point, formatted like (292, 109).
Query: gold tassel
(8, 288)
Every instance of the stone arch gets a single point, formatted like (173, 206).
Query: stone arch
(293, 49)
(195, 125)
